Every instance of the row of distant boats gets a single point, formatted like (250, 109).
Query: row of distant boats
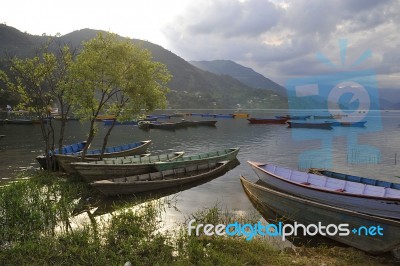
(308, 121)
(293, 121)
(127, 169)
(151, 121)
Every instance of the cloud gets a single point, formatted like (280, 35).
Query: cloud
(280, 38)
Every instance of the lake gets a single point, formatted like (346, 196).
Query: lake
(369, 151)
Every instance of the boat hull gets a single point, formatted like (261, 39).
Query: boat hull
(389, 208)
(91, 172)
(159, 181)
(324, 125)
(225, 155)
(309, 212)
(267, 120)
(241, 115)
(349, 124)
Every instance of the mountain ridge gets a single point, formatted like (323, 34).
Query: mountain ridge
(242, 73)
(190, 86)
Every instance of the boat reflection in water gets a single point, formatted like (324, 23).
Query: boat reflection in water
(309, 212)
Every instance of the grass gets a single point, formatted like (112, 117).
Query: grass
(35, 229)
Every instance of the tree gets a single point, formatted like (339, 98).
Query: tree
(39, 82)
(115, 76)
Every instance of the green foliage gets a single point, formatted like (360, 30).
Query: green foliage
(117, 77)
(33, 208)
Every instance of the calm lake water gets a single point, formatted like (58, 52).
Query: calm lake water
(368, 151)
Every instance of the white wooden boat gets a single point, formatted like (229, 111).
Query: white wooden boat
(307, 212)
(364, 198)
(160, 180)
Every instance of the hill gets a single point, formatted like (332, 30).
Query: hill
(244, 74)
(190, 86)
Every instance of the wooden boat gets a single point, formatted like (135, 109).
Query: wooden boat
(162, 116)
(294, 117)
(99, 170)
(109, 122)
(318, 125)
(175, 125)
(160, 125)
(307, 212)
(241, 115)
(191, 123)
(160, 180)
(355, 196)
(178, 115)
(135, 148)
(349, 124)
(24, 121)
(104, 117)
(67, 149)
(208, 115)
(209, 157)
(353, 178)
(195, 114)
(224, 116)
(323, 117)
(267, 120)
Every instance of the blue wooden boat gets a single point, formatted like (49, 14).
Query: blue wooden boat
(353, 178)
(196, 114)
(306, 124)
(224, 116)
(67, 149)
(349, 124)
(135, 148)
(208, 115)
(308, 212)
(353, 195)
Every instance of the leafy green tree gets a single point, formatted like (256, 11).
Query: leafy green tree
(40, 82)
(115, 76)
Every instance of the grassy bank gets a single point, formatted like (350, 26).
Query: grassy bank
(35, 229)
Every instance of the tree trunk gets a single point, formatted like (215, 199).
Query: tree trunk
(89, 139)
(106, 139)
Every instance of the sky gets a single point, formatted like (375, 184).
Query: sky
(280, 39)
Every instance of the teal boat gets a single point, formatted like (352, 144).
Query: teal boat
(209, 157)
(106, 169)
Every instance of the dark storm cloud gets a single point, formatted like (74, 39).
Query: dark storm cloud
(280, 39)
